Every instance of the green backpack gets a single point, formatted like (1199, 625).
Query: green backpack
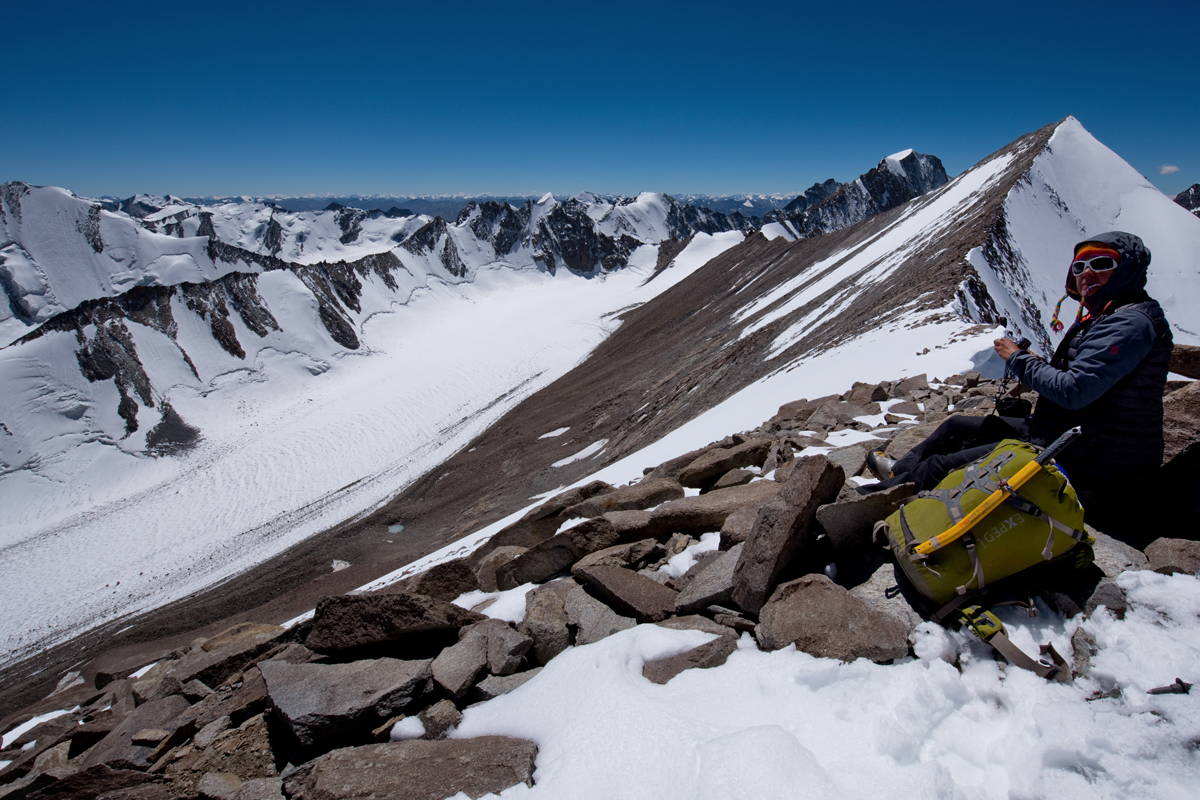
(997, 523)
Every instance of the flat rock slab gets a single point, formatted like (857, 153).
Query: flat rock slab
(849, 523)
(444, 581)
(117, 749)
(647, 493)
(824, 619)
(908, 438)
(1174, 555)
(629, 592)
(415, 770)
(708, 512)
(874, 592)
(633, 555)
(353, 621)
(322, 702)
(712, 584)
(710, 654)
(783, 528)
(1113, 556)
(558, 553)
(714, 463)
(496, 685)
(226, 654)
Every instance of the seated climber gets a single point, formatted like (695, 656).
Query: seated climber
(1107, 376)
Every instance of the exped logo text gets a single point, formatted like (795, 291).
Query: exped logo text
(1000, 528)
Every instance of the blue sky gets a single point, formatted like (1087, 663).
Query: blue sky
(525, 97)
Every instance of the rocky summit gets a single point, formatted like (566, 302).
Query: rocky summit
(364, 699)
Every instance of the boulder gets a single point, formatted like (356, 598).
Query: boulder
(238, 703)
(714, 463)
(398, 619)
(218, 786)
(801, 409)
(457, 668)
(1109, 594)
(672, 467)
(874, 592)
(226, 654)
(1113, 556)
(416, 769)
(244, 752)
(539, 523)
(629, 592)
(1185, 360)
(708, 512)
(863, 393)
(645, 494)
(851, 459)
(591, 619)
(485, 572)
(712, 584)
(444, 581)
(1181, 420)
(905, 407)
(558, 553)
(259, 789)
(496, 685)
(324, 703)
(546, 621)
(710, 654)
(909, 437)
(1169, 556)
(439, 719)
(783, 526)
(738, 477)
(118, 749)
(633, 555)
(737, 526)
(97, 781)
(824, 619)
(849, 523)
(695, 622)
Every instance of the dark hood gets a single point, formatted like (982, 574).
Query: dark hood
(1130, 276)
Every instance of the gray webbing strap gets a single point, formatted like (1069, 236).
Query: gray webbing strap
(1055, 670)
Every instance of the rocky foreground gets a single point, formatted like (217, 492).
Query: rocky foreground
(760, 534)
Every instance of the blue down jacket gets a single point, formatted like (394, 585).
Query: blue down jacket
(1107, 376)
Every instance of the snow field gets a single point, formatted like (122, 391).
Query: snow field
(785, 724)
(301, 436)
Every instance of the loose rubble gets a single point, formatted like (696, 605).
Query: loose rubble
(358, 702)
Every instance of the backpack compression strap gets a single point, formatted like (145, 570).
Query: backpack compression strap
(988, 627)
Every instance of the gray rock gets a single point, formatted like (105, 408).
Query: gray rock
(348, 622)
(633, 555)
(496, 685)
(444, 581)
(458, 667)
(415, 770)
(782, 528)
(591, 619)
(801, 409)
(713, 584)
(558, 553)
(546, 621)
(226, 654)
(714, 463)
(710, 654)
(695, 622)
(261, 789)
(1110, 595)
(739, 477)
(824, 619)
(629, 592)
(1169, 556)
(849, 523)
(485, 572)
(644, 494)
(440, 718)
(539, 523)
(905, 407)
(874, 592)
(208, 734)
(737, 526)
(506, 647)
(321, 703)
(908, 438)
(1113, 556)
(863, 393)
(218, 786)
(117, 749)
(851, 459)
(1083, 649)
(244, 752)
(905, 387)
(708, 512)
(1181, 420)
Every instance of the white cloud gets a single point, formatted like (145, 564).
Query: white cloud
(1168, 169)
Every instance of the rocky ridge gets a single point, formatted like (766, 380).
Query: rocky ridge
(1189, 198)
(358, 700)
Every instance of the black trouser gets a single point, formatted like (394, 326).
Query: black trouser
(955, 443)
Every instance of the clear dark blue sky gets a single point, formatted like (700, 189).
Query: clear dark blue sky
(526, 97)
